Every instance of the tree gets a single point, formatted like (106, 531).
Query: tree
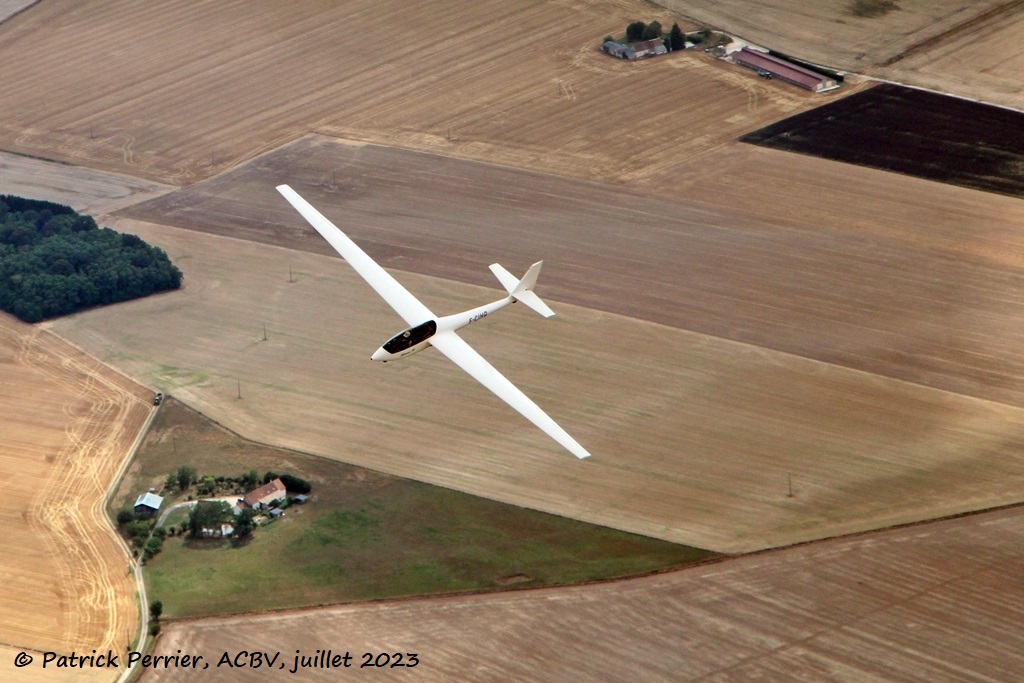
(186, 475)
(296, 484)
(153, 546)
(156, 608)
(125, 517)
(635, 31)
(244, 524)
(652, 31)
(250, 479)
(207, 515)
(676, 39)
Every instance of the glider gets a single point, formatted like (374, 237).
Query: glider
(426, 329)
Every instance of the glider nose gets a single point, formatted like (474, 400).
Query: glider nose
(380, 354)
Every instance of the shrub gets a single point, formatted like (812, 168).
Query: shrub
(296, 484)
(635, 31)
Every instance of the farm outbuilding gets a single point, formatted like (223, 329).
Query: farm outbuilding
(614, 49)
(148, 504)
(776, 67)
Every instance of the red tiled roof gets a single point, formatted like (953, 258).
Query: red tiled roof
(254, 497)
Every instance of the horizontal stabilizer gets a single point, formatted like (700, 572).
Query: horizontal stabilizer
(522, 290)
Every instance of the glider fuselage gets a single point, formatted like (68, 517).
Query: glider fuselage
(417, 337)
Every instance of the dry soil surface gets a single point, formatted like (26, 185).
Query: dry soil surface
(693, 435)
(69, 425)
(939, 602)
(184, 90)
(970, 49)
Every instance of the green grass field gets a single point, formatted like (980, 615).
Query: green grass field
(363, 535)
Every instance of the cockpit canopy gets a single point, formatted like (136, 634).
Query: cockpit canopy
(411, 337)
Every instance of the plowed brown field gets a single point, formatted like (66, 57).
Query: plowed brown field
(186, 90)
(938, 602)
(69, 423)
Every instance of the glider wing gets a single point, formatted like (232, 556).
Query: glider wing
(397, 296)
(463, 355)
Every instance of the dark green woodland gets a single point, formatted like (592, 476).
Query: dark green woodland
(54, 261)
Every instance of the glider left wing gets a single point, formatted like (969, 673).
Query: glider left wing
(462, 354)
(397, 296)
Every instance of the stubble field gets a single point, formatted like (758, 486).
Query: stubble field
(796, 257)
(185, 91)
(69, 425)
(970, 49)
(708, 428)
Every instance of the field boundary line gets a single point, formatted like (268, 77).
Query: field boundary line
(720, 558)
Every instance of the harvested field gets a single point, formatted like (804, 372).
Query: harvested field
(84, 190)
(189, 90)
(913, 132)
(707, 429)
(877, 272)
(981, 60)
(939, 602)
(971, 49)
(33, 674)
(69, 424)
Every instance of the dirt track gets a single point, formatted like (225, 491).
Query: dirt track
(937, 602)
(69, 425)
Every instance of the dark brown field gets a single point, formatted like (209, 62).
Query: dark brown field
(917, 133)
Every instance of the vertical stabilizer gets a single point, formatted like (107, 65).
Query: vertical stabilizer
(522, 290)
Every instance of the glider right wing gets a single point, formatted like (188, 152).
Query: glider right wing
(463, 355)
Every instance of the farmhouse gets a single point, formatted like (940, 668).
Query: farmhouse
(265, 495)
(148, 504)
(776, 67)
(646, 48)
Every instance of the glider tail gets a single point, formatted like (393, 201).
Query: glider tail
(522, 290)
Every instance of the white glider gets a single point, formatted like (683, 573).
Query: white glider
(426, 329)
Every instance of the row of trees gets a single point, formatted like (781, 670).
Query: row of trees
(138, 531)
(674, 40)
(209, 485)
(54, 261)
